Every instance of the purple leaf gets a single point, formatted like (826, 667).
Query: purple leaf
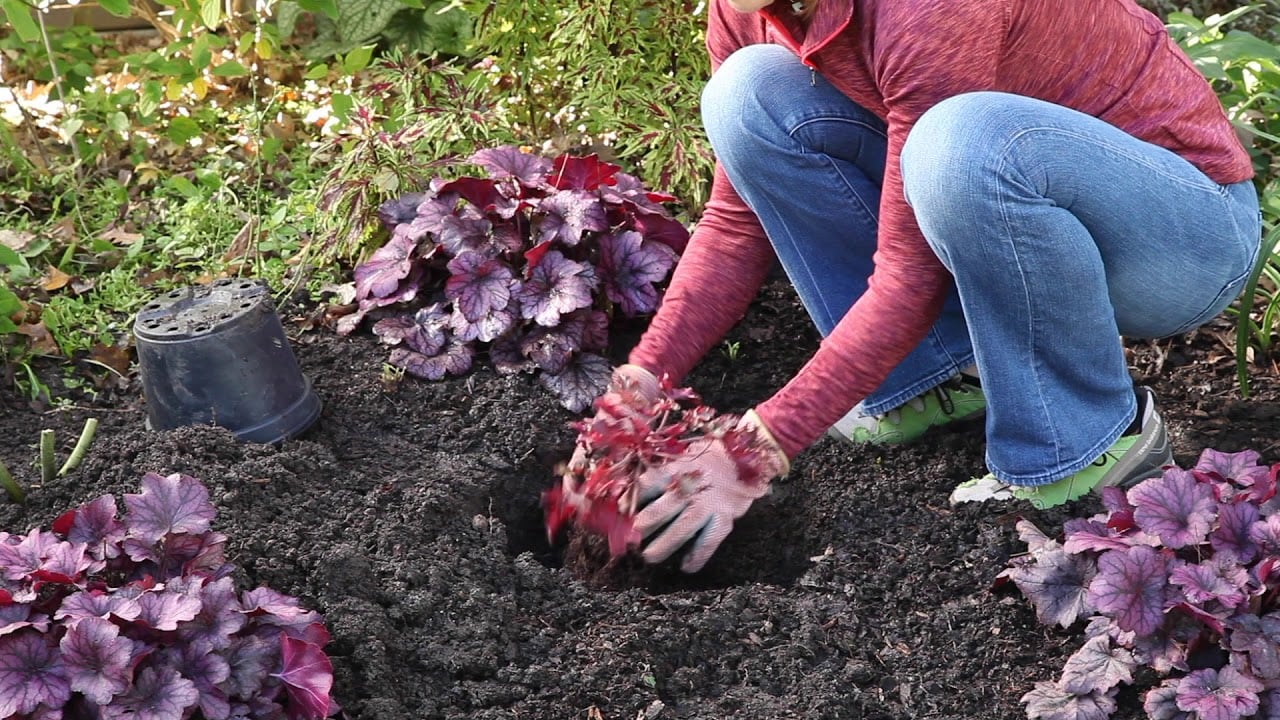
(95, 524)
(628, 189)
(1050, 702)
(1130, 588)
(507, 357)
(15, 617)
(251, 658)
(568, 214)
(1266, 533)
(660, 228)
(455, 359)
(98, 661)
(580, 383)
(308, 678)
(489, 327)
(1214, 579)
(581, 173)
(1259, 638)
(1093, 536)
(1241, 467)
(484, 194)
(509, 161)
(1099, 666)
(21, 559)
(406, 292)
(1175, 507)
(208, 671)
(1056, 584)
(173, 504)
(400, 210)
(157, 694)
(460, 233)
(556, 287)
(98, 604)
(31, 672)
(1162, 703)
(430, 218)
(163, 610)
(426, 331)
(1219, 695)
(595, 329)
(381, 274)
(551, 350)
(479, 286)
(1231, 538)
(276, 608)
(65, 562)
(629, 267)
(219, 618)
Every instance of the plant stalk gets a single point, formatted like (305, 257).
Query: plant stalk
(47, 467)
(82, 446)
(11, 486)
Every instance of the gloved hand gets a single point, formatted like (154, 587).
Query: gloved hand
(704, 489)
(631, 389)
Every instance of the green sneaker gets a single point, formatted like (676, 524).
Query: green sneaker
(957, 399)
(1130, 460)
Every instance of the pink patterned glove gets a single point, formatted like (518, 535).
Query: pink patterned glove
(704, 489)
(632, 390)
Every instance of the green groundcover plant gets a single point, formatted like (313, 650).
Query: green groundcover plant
(532, 262)
(1178, 586)
(105, 617)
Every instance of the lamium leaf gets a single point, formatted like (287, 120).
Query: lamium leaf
(568, 214)
(1098, 665)
(479, 286)
(308, 678)
(97, 659)
(508, 161)
(1130, 588)
(1215, 579)
(31, 672)
(629, 267)
(1056, 584)
(1175, 507)
(556, 287)
(381, 274)
(1231, 538)
(1048, 701)
(1223, 694)
(582, 380)
(157, 694)
(455, 359)
(581, 173)
(168, 504)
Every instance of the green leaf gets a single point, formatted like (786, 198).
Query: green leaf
(20, 18)
(357, 59)
(9, 258)
(287, 14)
(317, 71)
(119, 8)
(359, 22)
(182, 129)
(327, 7)
(231, 68)
(211, 13)
(343, 104)
(184, 186)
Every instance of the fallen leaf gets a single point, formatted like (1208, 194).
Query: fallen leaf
(120, 236)
(114, 357)
(245, 240)
(64, 230)
(16, 240)
(55, 279)
(345, 293)
(40, 339)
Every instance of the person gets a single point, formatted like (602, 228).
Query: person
(975, 200)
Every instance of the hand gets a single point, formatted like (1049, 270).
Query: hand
(631, 389)
(703, 490)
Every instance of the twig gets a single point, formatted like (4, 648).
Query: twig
(82, 446)
(46, 456)
(10, 486)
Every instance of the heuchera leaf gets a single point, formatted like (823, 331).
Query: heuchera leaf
(1161, 703)
(1219, 694)
(1097, 665)
(381, 274)
(509, 161)
(31, 673)
(663, 229)
(459, 233)
(487, 328)
(21, 559)
(400, 210)
(581, 173)
(1048, 701)
(629, 267)
(308, 678)
(479, 286)
(455, 359)
(173, 504)
(1231, 537)
(97, 659)
(556, 287)
(1176, 507)
(1241, 467)
(1130, 588)
(581, 381)
(1056, 584)
(164, 610)
(568, 214)
(1215, 579)
(1259, 638)
(483, 193)
(426, 331)
(98, 604)
(157, 694)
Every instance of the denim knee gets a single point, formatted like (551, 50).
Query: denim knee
(742, 91)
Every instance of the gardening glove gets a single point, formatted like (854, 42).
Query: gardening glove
(631, 389)
(703, 490)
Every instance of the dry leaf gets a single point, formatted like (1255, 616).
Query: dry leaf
(65, 230)
(40, 339)
(55, 279)
(116, 358)
(16, 240)
(120, 236)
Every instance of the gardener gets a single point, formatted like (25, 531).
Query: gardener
(958, 189)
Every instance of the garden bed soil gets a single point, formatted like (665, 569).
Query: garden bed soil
(409, 515)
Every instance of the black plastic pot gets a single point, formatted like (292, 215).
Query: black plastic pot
(217, 354)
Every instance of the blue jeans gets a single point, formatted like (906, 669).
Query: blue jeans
(1062, 232)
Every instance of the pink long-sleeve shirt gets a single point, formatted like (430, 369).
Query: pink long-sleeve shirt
(897, 58)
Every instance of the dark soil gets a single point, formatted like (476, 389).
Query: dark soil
(409, 516)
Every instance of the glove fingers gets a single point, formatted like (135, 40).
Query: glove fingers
(675, 535)
(706, 544)
(659, 513)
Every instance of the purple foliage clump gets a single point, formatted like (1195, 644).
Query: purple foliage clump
(137, 617)
(1180, 574)
(533, 260)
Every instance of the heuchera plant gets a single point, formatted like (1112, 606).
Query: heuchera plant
(532, 260)
(628, 435)
(1181, 574)
(104, 617)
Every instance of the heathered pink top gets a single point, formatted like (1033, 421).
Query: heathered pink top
(897, 58)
